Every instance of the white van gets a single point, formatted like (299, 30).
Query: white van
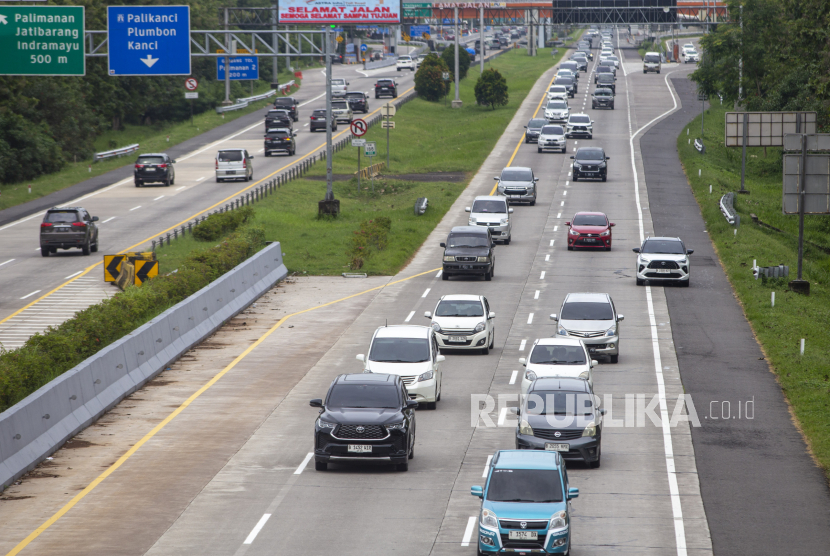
(651, 62)
(234, 164)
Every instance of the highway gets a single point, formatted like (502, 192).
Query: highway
(231, 473)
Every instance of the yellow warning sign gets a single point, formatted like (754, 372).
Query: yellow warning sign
(112, 267)
(145, 270)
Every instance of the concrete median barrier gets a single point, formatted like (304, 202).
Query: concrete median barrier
(40, 424)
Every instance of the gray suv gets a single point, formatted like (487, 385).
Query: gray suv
(518, 184)
(592, 318)
(68, 228)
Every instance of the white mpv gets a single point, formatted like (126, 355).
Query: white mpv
(464, 322)
(557, 357)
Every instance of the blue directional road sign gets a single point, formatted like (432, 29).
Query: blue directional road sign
(242, 68)
(363, 48)
(418, 30)
(148, 40)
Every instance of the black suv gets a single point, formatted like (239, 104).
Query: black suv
(290, 104)
(603, 69)
(154, 168)
(282, 140)
(386, 87)
(358, 101)
(318, 121)
(533, 128)
(567, 82)
(469, 251)
(67, 228)
(606, 81)
(590, 162)
(365, 416)
(602, 98)
(278, 118)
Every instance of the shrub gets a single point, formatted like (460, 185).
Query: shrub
(463, 61)
(491, 89)
(429, 81)
(222, 223)
(372, 235)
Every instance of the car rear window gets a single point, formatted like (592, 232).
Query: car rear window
(553, 130)
(558, 355)
(516, 175)
(456, 308)
(385, 82)
(605, 78)
(339, 104)
(284, 101)
(399, 350)
(604, 69)
(59, 216)
(467, 240)
(499, 207)
(580, 120)
(525, 485)
(363, 395)
(354, 95)
(229, 156)
(150, 160)
(405, 59)
(589, 220)
(278, 114)
(277, 134)
(603, 93)
(338, 81)
(587, 310)
(319, 113)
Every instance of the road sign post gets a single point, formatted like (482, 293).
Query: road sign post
(358, 128)
(148, 40)
(387, 111)
(42, 40)
(370, 150)
(191, 84)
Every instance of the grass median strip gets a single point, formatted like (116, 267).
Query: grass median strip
(805, 379)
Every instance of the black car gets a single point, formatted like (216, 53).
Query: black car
(280, 140)
(590, 162)
(567, 82)
(606, 81)
(278, 118)
(365, 416)
(68, 228)
(533, 128)
(318, 121)
(469, 251)
(602, 98)
(478, 47)
(290, 104)
(386, 87)
(358, 101)
(154, 168)
(603, 69)
(559, 414)
(503, 41)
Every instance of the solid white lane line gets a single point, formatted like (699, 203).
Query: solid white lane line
(109, 219)
(468, 533)
(135, 208)
(439, 274)
(522, 345)
(409, 318)
(513, 376)
(502, 415)
(68, 277)
(547, 258)
(487, 465)
(536, 295)
(307, 458)
(10, 260)
(30, 294)
(257, 528)
(530, 318)
(159, 197)
(426, 293)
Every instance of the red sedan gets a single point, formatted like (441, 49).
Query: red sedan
(589, 230)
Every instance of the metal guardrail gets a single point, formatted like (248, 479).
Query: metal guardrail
(116, 152)
(244, 102)
(421, 206)
(701, 148)
(232, 107)
(286, 86)
(780, 271)
(263, 96)
(727, 207)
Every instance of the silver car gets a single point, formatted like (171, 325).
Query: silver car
(339, 87)
(557, 110)
(592, 318)
(341, 111)
(552, 137)
(493, 212)
(518, 184)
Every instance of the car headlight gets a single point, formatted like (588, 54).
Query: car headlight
(573, 232)
(585, 375)
(489, 519)
(590, 430)
(559, 520)
(483, 259)
(425, 376)
(436, 327)
(684, 261)
(504, 221)
(606, 233)
(449, 259)
(530, 375)
(480, 327)
(525, 428)
(611, 331)
(396, 426)
(577, 165)
(602, 165)
(473, 221)
(561, 331)
(325, 424)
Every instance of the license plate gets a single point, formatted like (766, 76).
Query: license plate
(360, 448)
(62, 229)
(457, 339)
(150, 169)
(556, 447)
(663, 271)
(589, 240)
(523, 536)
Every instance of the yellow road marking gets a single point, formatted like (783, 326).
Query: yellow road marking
(133, 247)
(111, 469)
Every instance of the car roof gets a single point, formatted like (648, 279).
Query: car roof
(469, 230)
(656, 53)
(230, 149)
(152, 154)
(283, 98)
(460, 297)
(557, 383)
(583, 114)
(490, 198)
(558, 342)
(517, 168)
(591, 213)
(365, 378)
(587, 298)
(403, 331)
(280, 110)
(64, 208)
(526, 459)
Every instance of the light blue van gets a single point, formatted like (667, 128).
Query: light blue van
(524, 505)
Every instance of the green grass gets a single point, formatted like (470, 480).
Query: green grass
(805, 380)
(152, 138)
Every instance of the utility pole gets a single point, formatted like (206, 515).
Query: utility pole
(227, 101)
(275, 44)
(481, 38)
(329, 116)
(457, 102)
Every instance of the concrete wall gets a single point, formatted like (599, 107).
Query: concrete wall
(41, 423)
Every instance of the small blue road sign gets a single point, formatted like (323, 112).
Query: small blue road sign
(418, 30)
(242, 68)
(148, 40)
(363, 48)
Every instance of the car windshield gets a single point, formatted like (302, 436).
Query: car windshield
(603, 69)
(558, 355)
(456, 308)
(467, 240)
(568, 65)
(564, 81)
(57, 217)
(400, 350)
(605, 78)
(590, 220)
(516, 175)
(536, 123)
(490, 206)
(580, 120)
(319, 114)
(553, 130)
(558, 105)
(363, 395)
(540, 402)
(590, 154)
(277, 134)
(150, 160)
(587, 310)
(229, 156)
(663, 246)
(525, 485)
(652, 58)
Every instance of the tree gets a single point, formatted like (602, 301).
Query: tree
(491, 89)
(463, 61)
(429, 81)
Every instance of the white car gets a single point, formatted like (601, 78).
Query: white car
(615, 60)
(464, 322)
(579, 125)
(552, 137)
(558, 92)
(663, 259)
(339, 87)
(405, 62)
(557, 110)
(493, 212)
(557, 357)
(410, 352)
(690, 56)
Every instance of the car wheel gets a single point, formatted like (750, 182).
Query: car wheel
(576, 177)
(493, 339)
(604, 178)
(403, 466)
(615, 358)
(686, 283)
(533, 203)
(321, 465)
(595, 464)
(138, 184)
(167, 182)
(570, 248)
(445, 276)
(399, 69)
(429, 405)
(44, 251)
(485, 350)
(507, 241)
(94, 248)
(590, 137)
(173, 181)
(85, 248)
(640, 282)
(488, 276)
(644, 71)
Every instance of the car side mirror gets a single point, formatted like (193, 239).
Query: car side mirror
(620, 318)
(612, 224)
(497, 179)
(477, 491)
(361, 357)
(428, 314)
(535, 179)
(573, 493)
(523, 361)
(316, 402)
(491, 315)
(466, 209)
(173, 161)
(607, 157)
(568, 224)
(492, 244)
(95, 219)
(440, 358)
(689, 251)
(251, 157)
(411, 404)
(553, 316)
(603, 411)
(510, 211)
(442, 244)
(594, 363)
(572, 157)
(636, 249)
(525, 127)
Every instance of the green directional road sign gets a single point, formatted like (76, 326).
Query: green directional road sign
(42, 40)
